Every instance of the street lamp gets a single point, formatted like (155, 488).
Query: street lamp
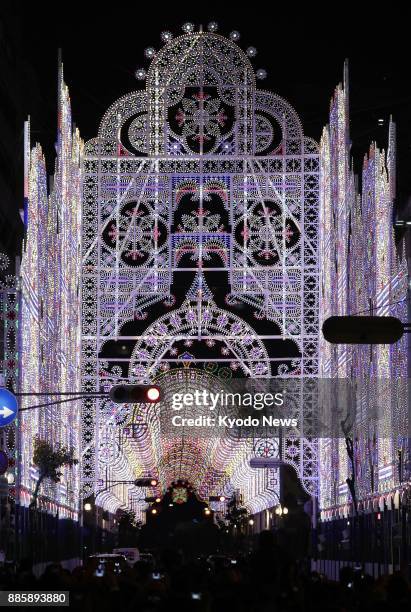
(251, 522)
(281, 510)
(207, 511)
(88, 507)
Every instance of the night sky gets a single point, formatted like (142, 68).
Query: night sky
(302, 53)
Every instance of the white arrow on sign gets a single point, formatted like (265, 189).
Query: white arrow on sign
(6, 412)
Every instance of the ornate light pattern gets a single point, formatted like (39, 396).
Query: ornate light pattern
(50, 310)
(362, 272)
(205, 215)
(9, 316)
(200, 229)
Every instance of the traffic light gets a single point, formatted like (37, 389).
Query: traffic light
(135, 394)
(362, 330)
(146, 482)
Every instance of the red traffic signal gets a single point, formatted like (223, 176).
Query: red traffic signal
(135, 394)
(362, 330)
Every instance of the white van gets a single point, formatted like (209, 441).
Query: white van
(131, 554)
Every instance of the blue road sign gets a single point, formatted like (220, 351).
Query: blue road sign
(8, 407)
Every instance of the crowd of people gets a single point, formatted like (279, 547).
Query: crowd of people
(264, 580)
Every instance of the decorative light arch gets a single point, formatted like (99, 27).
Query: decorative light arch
(227, 279)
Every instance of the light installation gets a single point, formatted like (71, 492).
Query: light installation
(215, 237)
(50, 308)
(9, 326)
(362, 272)
(200, 261)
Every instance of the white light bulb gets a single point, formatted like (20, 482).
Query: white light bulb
(140, 74)
(188, 27)
(149, 52)
(261, 74)
(235, 35)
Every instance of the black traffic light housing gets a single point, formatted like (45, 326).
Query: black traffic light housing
(135, 394)
(363, 330)
(146, 482)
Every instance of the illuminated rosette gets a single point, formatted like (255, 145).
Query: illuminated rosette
(202, 120)
(267, 233)
(135, 233)
(169, 301)
(266, 447)
(115, 413)
(109, 451)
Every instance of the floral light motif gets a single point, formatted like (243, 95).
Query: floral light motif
(201, 117)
